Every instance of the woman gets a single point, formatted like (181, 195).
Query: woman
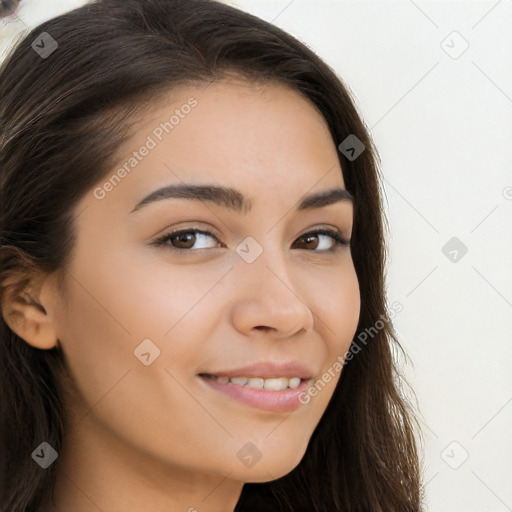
(192, 255)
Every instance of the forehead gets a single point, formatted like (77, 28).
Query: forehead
(234, 110)
(262, 138)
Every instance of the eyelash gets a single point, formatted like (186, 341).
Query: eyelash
(340, 240)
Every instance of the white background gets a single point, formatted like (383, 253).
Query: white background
(441, 118)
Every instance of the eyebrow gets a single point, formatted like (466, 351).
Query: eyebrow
(234, 199)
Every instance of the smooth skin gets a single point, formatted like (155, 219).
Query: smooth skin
(156, 437)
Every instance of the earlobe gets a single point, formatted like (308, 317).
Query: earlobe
(27, 317)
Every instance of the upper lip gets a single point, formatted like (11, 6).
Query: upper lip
(268, 370)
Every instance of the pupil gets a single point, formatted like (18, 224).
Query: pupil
(183, 236)
(310, 239)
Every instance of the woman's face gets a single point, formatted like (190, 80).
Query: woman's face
(140, 323)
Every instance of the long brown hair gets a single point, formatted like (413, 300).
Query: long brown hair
(62, 118)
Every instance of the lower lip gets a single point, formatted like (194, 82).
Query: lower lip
(276, 401)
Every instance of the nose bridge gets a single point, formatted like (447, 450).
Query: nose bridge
(263, 259)
(267, 296)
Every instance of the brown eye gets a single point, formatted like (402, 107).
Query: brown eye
(314, 239)
(311, 241)
(186, 239)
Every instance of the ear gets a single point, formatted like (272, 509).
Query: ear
(31, 313)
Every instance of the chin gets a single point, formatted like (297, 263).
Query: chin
(21, 16)
(267, 474)
(271, 469)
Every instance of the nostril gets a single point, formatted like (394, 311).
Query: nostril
(8, 7)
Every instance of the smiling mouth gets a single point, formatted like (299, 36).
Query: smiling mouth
(269, 384)
(272, 394)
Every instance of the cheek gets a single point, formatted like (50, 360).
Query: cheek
(147, 406)
(338, 310)
(154, 296)
(95, 339)
(102, 319)
(112, 309)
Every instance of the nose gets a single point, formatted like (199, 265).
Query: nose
(267, 299)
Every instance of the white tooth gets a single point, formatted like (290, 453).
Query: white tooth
(273, 384)
(294, 382)
(276, 384)
(239, 381)
(255, 383)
